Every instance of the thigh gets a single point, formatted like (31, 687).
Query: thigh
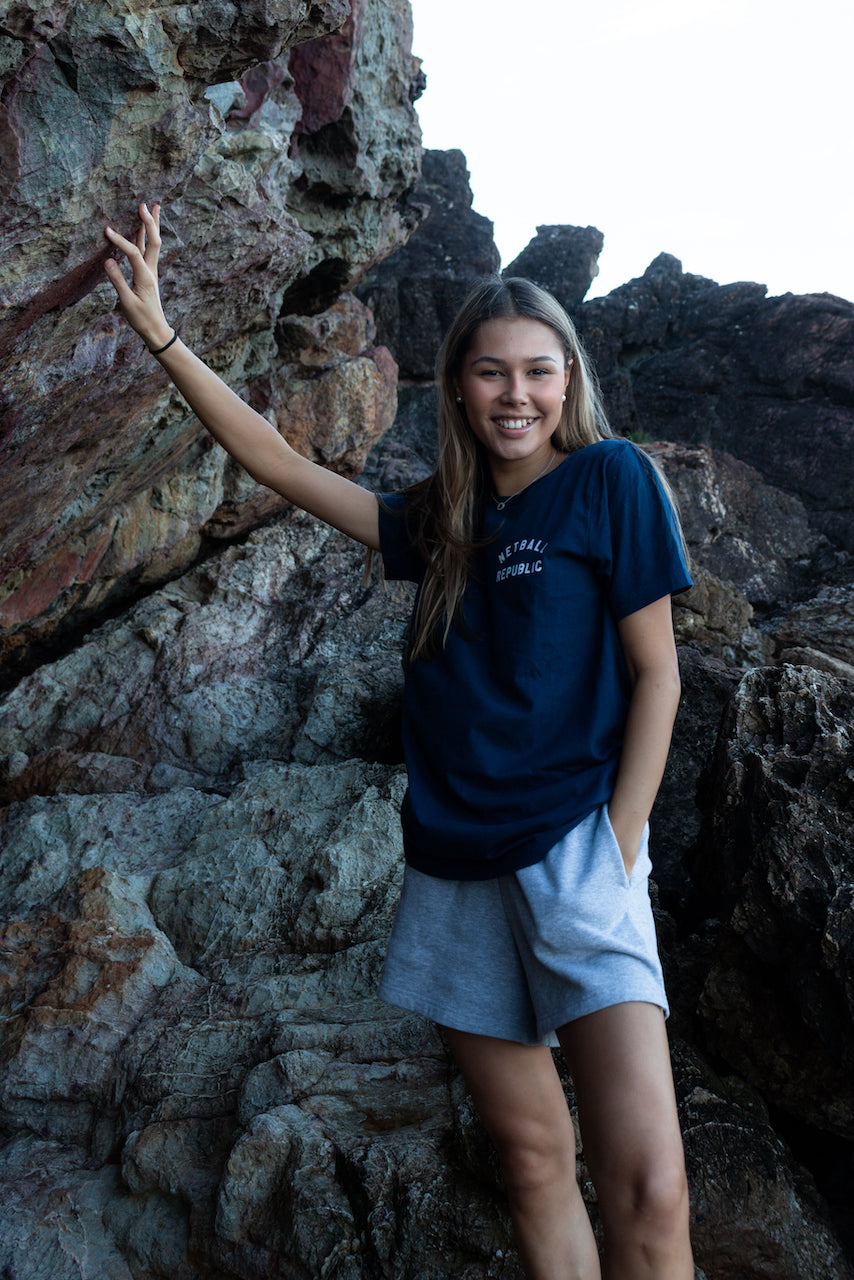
(516, 1090)
(619, 1059)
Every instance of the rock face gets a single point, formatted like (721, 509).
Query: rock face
(416, 296)
(564, 260)
(198, 885)
(770, 380)
(776, 854)
(278, 193)
(199, 794)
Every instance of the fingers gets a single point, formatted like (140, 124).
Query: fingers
(147, 237)
(144, 281)
(127, 247)
(117, 280)
(150, 231)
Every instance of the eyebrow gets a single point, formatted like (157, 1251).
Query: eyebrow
(527, 360)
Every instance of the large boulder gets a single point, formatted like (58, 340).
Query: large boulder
(262, 215)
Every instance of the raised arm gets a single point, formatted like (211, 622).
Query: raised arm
(248, 437)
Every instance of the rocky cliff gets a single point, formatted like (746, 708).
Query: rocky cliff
(200, 765)
(282, 141)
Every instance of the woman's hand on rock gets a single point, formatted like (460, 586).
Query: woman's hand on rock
(140, 300)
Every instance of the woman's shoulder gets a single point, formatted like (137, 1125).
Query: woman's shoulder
(603, 455)
(616, 456)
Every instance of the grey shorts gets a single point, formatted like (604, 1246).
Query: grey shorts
(519, 955)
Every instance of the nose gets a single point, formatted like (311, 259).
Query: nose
(514, 389)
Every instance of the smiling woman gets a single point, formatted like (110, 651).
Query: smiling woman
(541, 685)
(487, 375)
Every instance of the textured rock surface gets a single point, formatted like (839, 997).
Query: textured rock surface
(757, 1214)
(200, 925)
(777, 854)
(564, 260)
(239, 660)
(415, 296)
(128, 490)
(769, 380)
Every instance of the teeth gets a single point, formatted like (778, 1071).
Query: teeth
(515, 424)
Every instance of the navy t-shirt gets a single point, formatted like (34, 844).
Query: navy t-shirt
(512, 733)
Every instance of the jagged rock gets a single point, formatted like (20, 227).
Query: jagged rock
(416, 293)
(717, 617)
(823, 628)
(564, 260)
(90, 966)
(128, 492)
(707, 686)
(744, 531)
(65, 1220)
(266, 1116)
(357, 144)
(756, 1215)
(239, 660)
(768, 380)
(776, 859)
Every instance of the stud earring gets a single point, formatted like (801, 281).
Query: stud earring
(563, 399)
(459, 399)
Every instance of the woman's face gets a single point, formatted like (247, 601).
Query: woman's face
(512, 382)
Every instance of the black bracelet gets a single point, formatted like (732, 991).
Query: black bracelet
(160, 350)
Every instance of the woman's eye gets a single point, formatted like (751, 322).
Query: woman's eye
(539, 373)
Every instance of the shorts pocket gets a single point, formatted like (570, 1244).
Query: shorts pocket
(639, 867)
(579, 893)
(616, 853)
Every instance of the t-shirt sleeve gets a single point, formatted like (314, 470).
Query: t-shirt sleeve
(401, 562)
(634, 533)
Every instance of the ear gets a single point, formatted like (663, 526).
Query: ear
(567, 372)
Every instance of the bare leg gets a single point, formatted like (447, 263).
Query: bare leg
(620, 1064)
(519, 1097)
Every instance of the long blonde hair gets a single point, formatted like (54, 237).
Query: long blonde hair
(443, 509)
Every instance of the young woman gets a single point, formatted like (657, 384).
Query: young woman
(541, 688)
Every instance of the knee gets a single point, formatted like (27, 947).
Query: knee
(653, 1197)
(534, 1157)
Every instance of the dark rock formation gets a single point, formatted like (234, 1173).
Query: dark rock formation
(684, 359)
(776, 858)
(564, 260)
(416, 295)
(769, 380)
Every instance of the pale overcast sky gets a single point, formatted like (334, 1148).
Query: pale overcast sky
(720, 131)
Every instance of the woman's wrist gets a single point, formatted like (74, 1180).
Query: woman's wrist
(157, 337)
(158, 351)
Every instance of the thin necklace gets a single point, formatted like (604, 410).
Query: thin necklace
(501, 503)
